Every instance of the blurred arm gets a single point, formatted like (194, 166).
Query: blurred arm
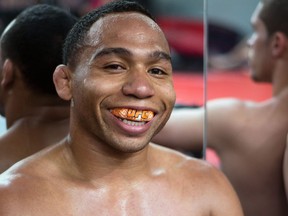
(183, 131)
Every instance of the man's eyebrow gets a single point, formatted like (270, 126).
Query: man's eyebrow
(161, 55)
(125, 52)
(109, 51)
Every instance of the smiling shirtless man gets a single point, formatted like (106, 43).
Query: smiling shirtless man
(118, 76)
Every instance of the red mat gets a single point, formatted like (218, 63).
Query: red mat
(189, 86)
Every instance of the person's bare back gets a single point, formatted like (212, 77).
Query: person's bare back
(249, 137)
(32, 133)
(251, 149)
(35, 115)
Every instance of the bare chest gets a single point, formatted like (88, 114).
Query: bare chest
(119, 203)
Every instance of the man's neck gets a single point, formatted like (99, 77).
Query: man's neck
(92, 165)
(26, 106)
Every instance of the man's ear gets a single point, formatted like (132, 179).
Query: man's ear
(7, 74)
(62, 82)
(279, 44)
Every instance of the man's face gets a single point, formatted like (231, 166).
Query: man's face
(259, 54)
(122, 87)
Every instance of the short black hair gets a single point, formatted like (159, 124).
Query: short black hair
(34, 43)
(75, 39)
(274, 14)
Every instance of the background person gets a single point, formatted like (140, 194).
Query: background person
(249, 137)
(30, 50)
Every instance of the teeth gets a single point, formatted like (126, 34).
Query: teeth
(132, 114)
(133, 123)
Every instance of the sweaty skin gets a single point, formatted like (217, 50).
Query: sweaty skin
(107, 166)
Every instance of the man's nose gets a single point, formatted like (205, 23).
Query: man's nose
(138, 84)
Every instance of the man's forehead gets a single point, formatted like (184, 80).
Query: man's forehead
(129, 16)
(113, 20)
(117, 24)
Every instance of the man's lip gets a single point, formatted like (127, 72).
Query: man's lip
(133, 114)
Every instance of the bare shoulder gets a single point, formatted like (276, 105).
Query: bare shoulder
(190, 170)
(188, 167)
(226, 117)
(228, 106)
(16, 191)
(197, 178)
(218, 108)
(21, 183)
(22, 172)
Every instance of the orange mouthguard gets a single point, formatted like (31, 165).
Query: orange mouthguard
(132, 114)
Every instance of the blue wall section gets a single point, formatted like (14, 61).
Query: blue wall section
(232, 13)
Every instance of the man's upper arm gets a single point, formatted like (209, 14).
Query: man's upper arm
(223, 117)
(184, 130)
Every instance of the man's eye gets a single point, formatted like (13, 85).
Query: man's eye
(156, 71)
(114, 67)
